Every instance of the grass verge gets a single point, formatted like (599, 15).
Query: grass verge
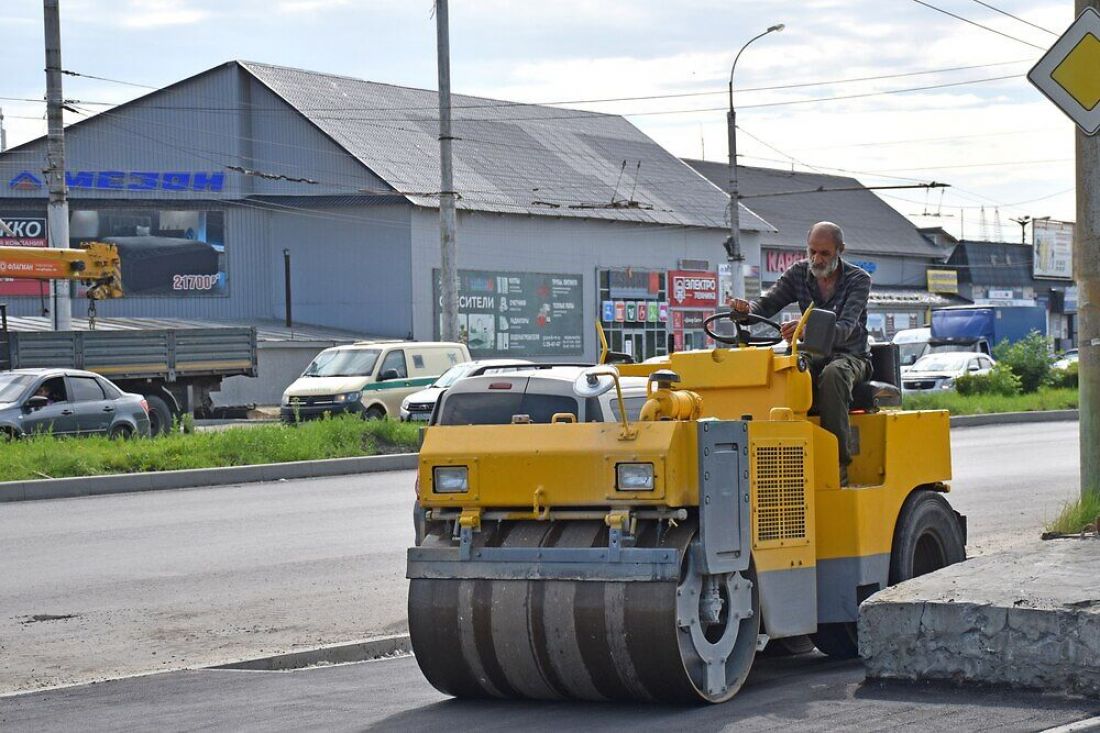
(1045, 399)
(1078, 515)
(47, 457)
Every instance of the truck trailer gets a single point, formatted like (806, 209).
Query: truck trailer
(982, 327)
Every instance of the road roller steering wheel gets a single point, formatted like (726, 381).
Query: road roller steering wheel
(743, 337)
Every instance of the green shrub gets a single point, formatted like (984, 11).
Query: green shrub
(1064, 377)
(1000, 380)
(1028, 359)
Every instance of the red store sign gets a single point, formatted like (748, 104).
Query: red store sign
(693, 289)
(776, 261)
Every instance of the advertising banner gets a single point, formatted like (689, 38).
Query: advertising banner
(693, 289)
(1053, 242)
(518, 314)
(29, 231)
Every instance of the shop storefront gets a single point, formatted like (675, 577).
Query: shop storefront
(634, 311)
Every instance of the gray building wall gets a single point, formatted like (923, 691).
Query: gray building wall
(350, 268)
(545, 244)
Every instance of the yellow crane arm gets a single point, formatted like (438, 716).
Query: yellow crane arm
(96, 265)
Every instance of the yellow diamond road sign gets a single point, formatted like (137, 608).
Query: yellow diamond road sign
(1069, 73)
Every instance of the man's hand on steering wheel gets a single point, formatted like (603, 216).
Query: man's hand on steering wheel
(742, 320)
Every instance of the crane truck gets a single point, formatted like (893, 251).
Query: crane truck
(174, 369)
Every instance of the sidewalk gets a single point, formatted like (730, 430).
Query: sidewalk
(1027, 618)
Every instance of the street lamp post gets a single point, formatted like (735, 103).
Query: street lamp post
(733, 244)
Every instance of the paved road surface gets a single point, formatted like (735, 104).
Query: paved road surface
(106, 586)
(803, 694)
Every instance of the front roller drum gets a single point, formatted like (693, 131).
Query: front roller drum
(688, 641)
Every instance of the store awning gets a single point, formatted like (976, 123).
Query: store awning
(887, 298)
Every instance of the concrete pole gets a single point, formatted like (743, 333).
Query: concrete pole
(57, 212)
(447, 244)
(1086, 268)
(735, 256)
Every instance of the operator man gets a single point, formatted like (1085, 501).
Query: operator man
(827, 281)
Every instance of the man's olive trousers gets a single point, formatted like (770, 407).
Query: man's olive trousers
(834, 376)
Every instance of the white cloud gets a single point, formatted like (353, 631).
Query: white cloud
(160, 13)
(309, 6)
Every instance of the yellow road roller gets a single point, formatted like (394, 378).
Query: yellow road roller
(652, 559)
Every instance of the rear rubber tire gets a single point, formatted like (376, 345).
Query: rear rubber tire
(838, 640)
(121, 432)
(927, 537)
(160, 416)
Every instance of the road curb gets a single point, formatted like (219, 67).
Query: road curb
(67, 488)
(1004, 418)
(358, 651)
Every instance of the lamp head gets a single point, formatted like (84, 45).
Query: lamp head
(776, 27)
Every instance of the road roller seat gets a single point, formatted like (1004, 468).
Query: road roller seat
(883, 389)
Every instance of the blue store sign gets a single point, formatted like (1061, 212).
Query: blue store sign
(129, 181)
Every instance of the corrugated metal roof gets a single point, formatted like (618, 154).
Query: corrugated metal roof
(266, 331)
(871, 226)
(508, 157)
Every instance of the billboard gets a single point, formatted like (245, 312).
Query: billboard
(517, 314)
(176, 253)
(163, 252)
(1053, 241)
(28, 231)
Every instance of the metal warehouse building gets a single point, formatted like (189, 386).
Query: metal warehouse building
(216, 186)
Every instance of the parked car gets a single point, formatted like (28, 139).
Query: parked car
(418, 406)
(935, 372)
(1067, 358)
(539, 393)
(68, 402)
(368, 378)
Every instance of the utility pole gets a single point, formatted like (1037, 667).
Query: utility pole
(734, 256)
(1086, 267)
(57, 216)
(3, 132)
(448, 274)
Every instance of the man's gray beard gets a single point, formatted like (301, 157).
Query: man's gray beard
(826, 271)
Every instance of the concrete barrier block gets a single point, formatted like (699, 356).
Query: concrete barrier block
(1026, 618)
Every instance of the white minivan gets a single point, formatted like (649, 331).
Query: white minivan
(369, 378)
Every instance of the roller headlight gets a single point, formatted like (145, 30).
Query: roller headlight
(634, 476)
(346, 397)
(450, 479)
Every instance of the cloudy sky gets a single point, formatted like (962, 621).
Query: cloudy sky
(956, 107)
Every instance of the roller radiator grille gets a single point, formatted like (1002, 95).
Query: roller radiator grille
(780, 492)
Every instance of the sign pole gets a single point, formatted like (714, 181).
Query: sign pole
(1086, 266)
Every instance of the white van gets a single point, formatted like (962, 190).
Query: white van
(370, 378)
(912, 344)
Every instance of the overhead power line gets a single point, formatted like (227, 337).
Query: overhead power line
(504, 104)
(979, 25)
(1015, 17)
